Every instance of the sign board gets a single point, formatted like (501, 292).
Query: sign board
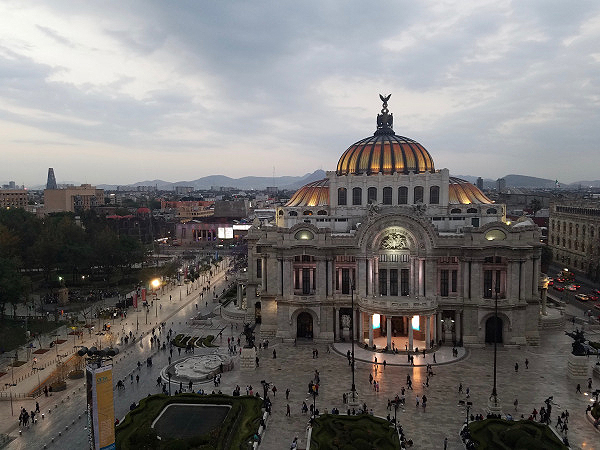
(101, 407)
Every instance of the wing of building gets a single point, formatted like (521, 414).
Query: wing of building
(421, 255)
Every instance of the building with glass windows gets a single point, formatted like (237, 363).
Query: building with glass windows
(421, 256)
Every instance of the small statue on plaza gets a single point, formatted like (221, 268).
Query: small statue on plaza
(249, 333)
(578, 341)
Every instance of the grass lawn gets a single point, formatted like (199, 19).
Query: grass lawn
(12, 332)
(498, 434)
(234, 432)
(362, 432)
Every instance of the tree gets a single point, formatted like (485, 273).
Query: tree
(535, 205)
(11, 283)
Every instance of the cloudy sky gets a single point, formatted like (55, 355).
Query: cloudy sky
(119, 92)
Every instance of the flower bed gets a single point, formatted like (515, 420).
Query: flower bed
(498, 434)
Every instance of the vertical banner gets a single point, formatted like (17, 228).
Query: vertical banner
(143, 295)
(135, 299)
(101, 407)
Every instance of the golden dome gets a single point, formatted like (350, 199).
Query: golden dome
(465, 193)
(311, 194)
(385, 152)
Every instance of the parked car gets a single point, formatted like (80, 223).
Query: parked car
(593, 297)
(596, 291)
(582, 297)
(550, 283)
(559, 287)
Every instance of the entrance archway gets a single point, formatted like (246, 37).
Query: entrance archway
(304, 326)
(493, 329)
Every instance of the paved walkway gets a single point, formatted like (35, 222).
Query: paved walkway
(294, 368)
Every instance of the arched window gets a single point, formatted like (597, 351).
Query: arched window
(471, 210)
(372, 195)
(308, 213)
(387, 195)
(321, 212)
(434, 195)
(418, 194)
(402, 195)
(492, 211)
(356, 196)
(342, 197)
(455, 211)
(293, 213)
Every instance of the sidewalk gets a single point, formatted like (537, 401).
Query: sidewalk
(26, 379)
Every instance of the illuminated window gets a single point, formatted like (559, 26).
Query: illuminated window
(376, 321)
(415, 323)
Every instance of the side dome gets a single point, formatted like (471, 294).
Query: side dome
(311, 194)
(385, 152)
(462, 192)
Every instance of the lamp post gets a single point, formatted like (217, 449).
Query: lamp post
(467, 418)
(353, 388)
(494, 395)
(169, 375)
(314, 396)
(396, 404)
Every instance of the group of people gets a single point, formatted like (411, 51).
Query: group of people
(25, 417)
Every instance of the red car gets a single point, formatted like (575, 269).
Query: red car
(559, 288)
(550, 283)
(593, 297)
(596, 291)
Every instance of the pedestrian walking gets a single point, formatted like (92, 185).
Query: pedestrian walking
(516, 367)
(445, 443)
(578, 389)
(287, 413)
(460, 388)
(526, 363)
(137, 379)
(417, 399)
(274, 354)
(516, 403)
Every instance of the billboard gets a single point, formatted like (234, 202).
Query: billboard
(225, 232)
(100, 405)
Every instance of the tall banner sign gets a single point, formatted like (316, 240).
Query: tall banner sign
(135, 299)
(143, 295)
(101, 407)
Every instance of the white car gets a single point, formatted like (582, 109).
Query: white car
(582, 297)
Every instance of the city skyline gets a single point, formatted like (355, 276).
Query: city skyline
(120, 93)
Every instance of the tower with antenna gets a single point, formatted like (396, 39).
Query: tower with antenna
(51, 183)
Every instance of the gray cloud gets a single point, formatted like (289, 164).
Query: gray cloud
(489, 88)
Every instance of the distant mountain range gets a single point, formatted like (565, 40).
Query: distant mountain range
(293, 183)
(246, 183)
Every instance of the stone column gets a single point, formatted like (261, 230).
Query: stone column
(422, 276)
(375, 269)
(288, 278)
(457, 326)
(438, 328)
(389, 332)
(535, 277)
(522, 284)
(410, 333)
(427, 332)
(544, 310)
(320, 281)
(337, 323)
(370, 330)
(359, 284)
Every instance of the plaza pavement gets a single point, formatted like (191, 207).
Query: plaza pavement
(294, 367)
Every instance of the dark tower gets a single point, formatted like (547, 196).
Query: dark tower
(51, 183)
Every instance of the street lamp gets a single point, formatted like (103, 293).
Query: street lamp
(494, 391)
(353, 388)
(314, 395)
(396, 403)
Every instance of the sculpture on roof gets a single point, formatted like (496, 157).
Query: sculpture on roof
(385, 120)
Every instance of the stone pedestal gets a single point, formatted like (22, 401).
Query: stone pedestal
(577, 367)
(494, 407)
(248, 359)
(596, 371)
(346, 333)
(63, 296)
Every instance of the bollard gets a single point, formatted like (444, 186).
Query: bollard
(20, 432)
(60, 433)
(79, 416)
(43, 416)
(45, 446)
(49, 410)
(52, 439)
(66, 427)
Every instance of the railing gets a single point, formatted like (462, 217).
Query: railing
(402, 304)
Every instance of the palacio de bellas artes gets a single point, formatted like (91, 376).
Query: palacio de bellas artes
(422, 256)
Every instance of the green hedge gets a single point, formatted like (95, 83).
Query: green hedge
(235, 431)
(498, 434)
(362, 432)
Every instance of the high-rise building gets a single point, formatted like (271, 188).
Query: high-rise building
(500, 184)
(51, 183)
(480, 183)
(13, 198)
